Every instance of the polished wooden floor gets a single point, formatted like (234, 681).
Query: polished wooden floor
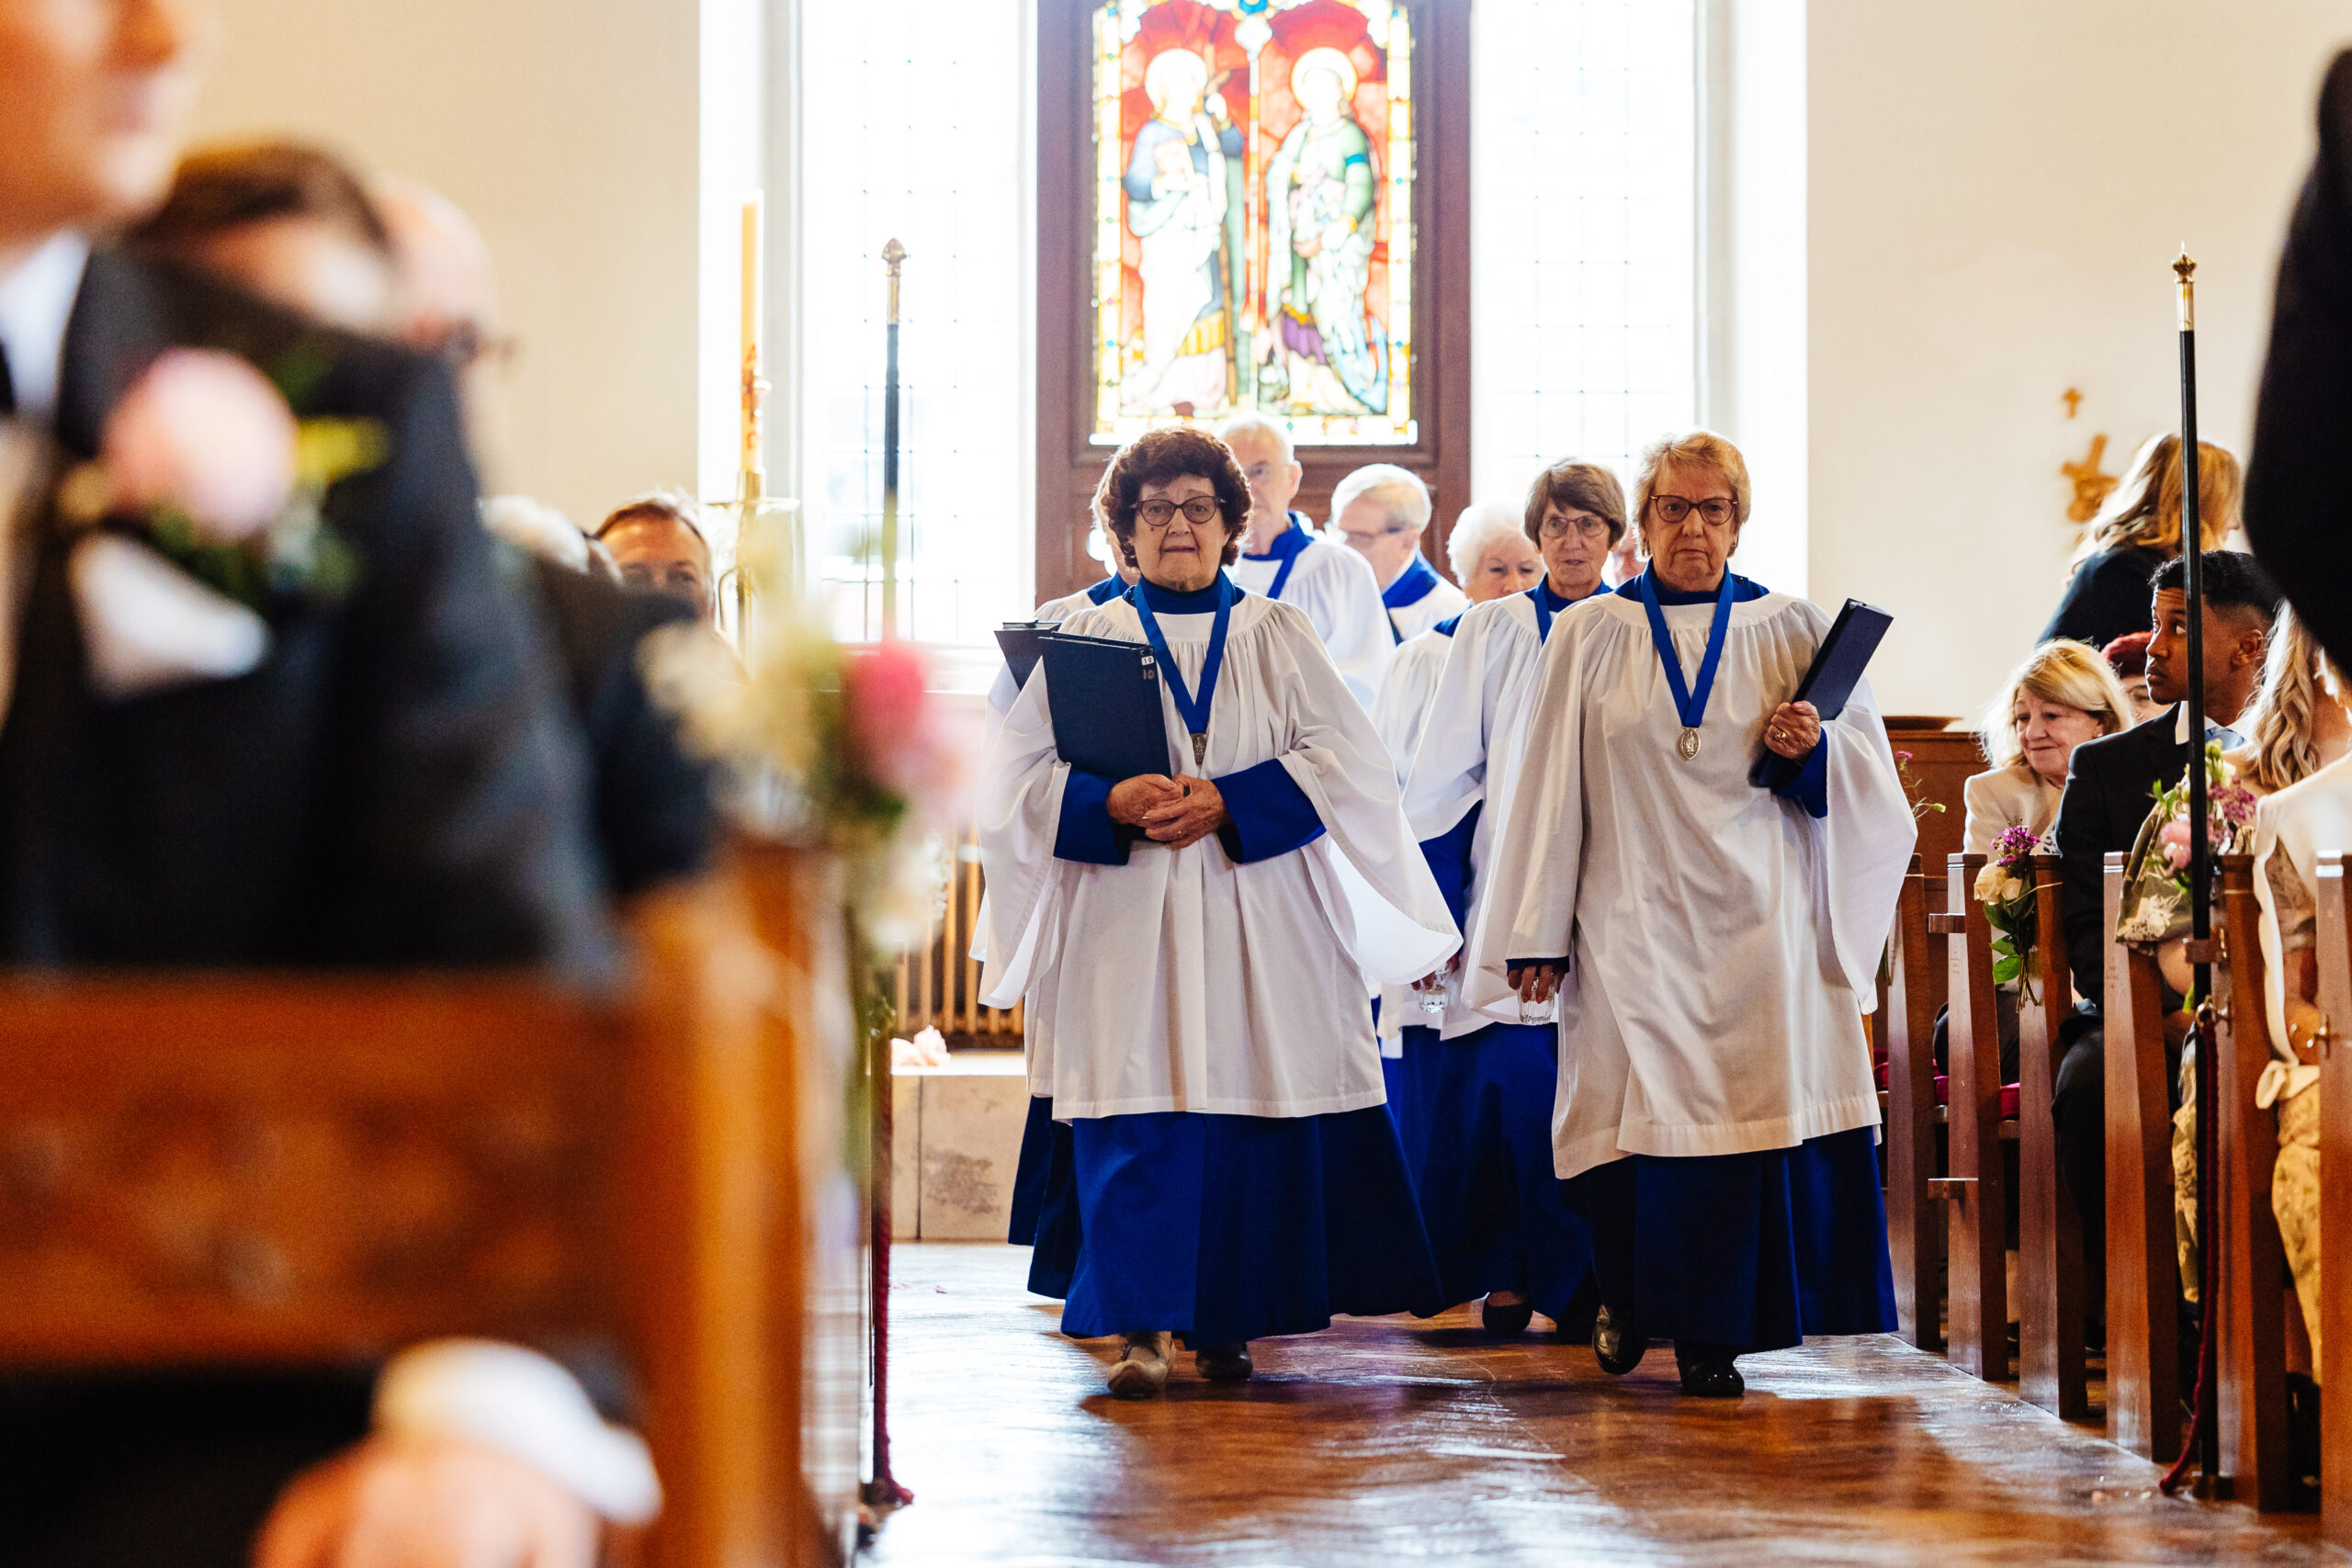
(1392, 1441)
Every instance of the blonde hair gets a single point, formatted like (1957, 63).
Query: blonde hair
(2061, 670)
(2279, 729)
(2145, 508)
(1695, 449)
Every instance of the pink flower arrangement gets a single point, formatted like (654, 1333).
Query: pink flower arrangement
(892, 725)
(2016, 843)
(205, 435)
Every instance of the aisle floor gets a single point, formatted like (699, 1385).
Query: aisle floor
(1397, 1441)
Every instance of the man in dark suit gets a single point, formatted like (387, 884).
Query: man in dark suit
(2109, 787)
(395, 781)
(2294, 502)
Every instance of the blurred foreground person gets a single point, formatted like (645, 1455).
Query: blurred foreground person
(257, 713)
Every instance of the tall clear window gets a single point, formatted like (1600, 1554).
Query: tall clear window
(913, 126)
(1584, 186)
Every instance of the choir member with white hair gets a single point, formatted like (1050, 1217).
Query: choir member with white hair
(1193, 948)
(1382, 510)
(1491, 557)
(1714, 943)
(1473, 1097)
(1282, 558)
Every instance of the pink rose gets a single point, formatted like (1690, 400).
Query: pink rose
(2173, 838)
(204, 432)
(888, 712)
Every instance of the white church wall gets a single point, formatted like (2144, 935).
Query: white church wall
(572, 132)
(1993, 194)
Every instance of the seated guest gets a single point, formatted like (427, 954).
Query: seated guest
(1492, 561)
(2109, 785)
(289, 222)
(2108, 596)
(659, 547)
(383, 775)
(2127, 657)
(1282, 558)
(1473, 1097)
(2298, 724)
(2061, 697)
(1712, 941)
(1382, 510)
(1234, 1170)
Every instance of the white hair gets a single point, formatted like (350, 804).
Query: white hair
(1399, 490)
(1257, 424)
(535, 527)
(1474, 532)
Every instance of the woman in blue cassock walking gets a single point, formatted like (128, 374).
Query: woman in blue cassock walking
(1713, 943)
(1194, 947)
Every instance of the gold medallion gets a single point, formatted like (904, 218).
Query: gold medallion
(1200, 748)
(1689, 744)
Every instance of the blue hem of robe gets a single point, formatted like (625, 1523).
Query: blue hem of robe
(1233, 1228)
(1045, 1200)
(1271, 815)
(1473, 1114)
(1753, 1250)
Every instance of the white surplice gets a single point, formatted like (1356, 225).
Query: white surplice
(1403, 705)
(1341, 597)
(1180, 981)
(1411, 620)
(1724, 944)
(1469, 754)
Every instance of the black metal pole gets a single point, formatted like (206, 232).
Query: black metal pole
(893, 254)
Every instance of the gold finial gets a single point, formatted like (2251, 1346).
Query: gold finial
(2186, 271)
(2182, 268)
(892, 255)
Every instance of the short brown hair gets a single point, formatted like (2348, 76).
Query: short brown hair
(1157, 456)
(659, 505)
(227, 186)
(1579, 487)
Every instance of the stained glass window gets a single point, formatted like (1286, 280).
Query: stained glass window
(1253, 244)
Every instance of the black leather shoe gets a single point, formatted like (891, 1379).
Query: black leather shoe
(1224, 1364)
(1617, 1348)
(1503, 1322)
(1707, 1372)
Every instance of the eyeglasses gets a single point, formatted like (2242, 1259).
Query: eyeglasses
(1714, 511)
(1157, 514)
(1557, 527)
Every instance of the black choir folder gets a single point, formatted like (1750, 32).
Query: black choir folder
(1837, 665)
(1021, 641)
(1105, 699)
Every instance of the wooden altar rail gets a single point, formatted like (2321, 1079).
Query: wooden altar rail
(2334, 1368)
(937, 983)
(1914, 1226)
(2144, 1388)
(277, 1170)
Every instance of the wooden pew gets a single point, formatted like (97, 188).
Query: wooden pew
(1975, 1191)
(278, 1170)
(2143, 1268)
(2051, 1372)
(2334, 1368)
(2251, 1349)
(1914, 1226)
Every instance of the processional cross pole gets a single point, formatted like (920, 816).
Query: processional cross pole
(893, 254)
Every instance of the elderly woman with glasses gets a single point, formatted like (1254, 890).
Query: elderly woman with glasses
(1473, 1097)
(1194, 947)
(1713, 942)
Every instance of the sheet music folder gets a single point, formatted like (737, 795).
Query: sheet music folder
(1837, 668)
(1021, 642)
(1106, 706)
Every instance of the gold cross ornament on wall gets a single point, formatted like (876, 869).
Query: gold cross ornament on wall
(2091, 487)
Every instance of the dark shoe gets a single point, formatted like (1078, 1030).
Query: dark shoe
(1224, 1364)
(1617, 1348)
(1707, 1371)
(1504, 1321)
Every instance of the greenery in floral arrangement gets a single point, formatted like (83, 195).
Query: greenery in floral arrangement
(1915, 788)
(2005, 889)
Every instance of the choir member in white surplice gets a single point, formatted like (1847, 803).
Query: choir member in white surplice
(1193, 950)
(1473, 1097)
(1714, 943)
(1282, 558)
(1492, 558)
(1381, 511)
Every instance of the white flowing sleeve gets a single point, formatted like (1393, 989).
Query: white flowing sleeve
(1367, 868)
(1539, 849)
(1402, 706)
(1342, 599)
(1019, 802)
(1871, 834)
